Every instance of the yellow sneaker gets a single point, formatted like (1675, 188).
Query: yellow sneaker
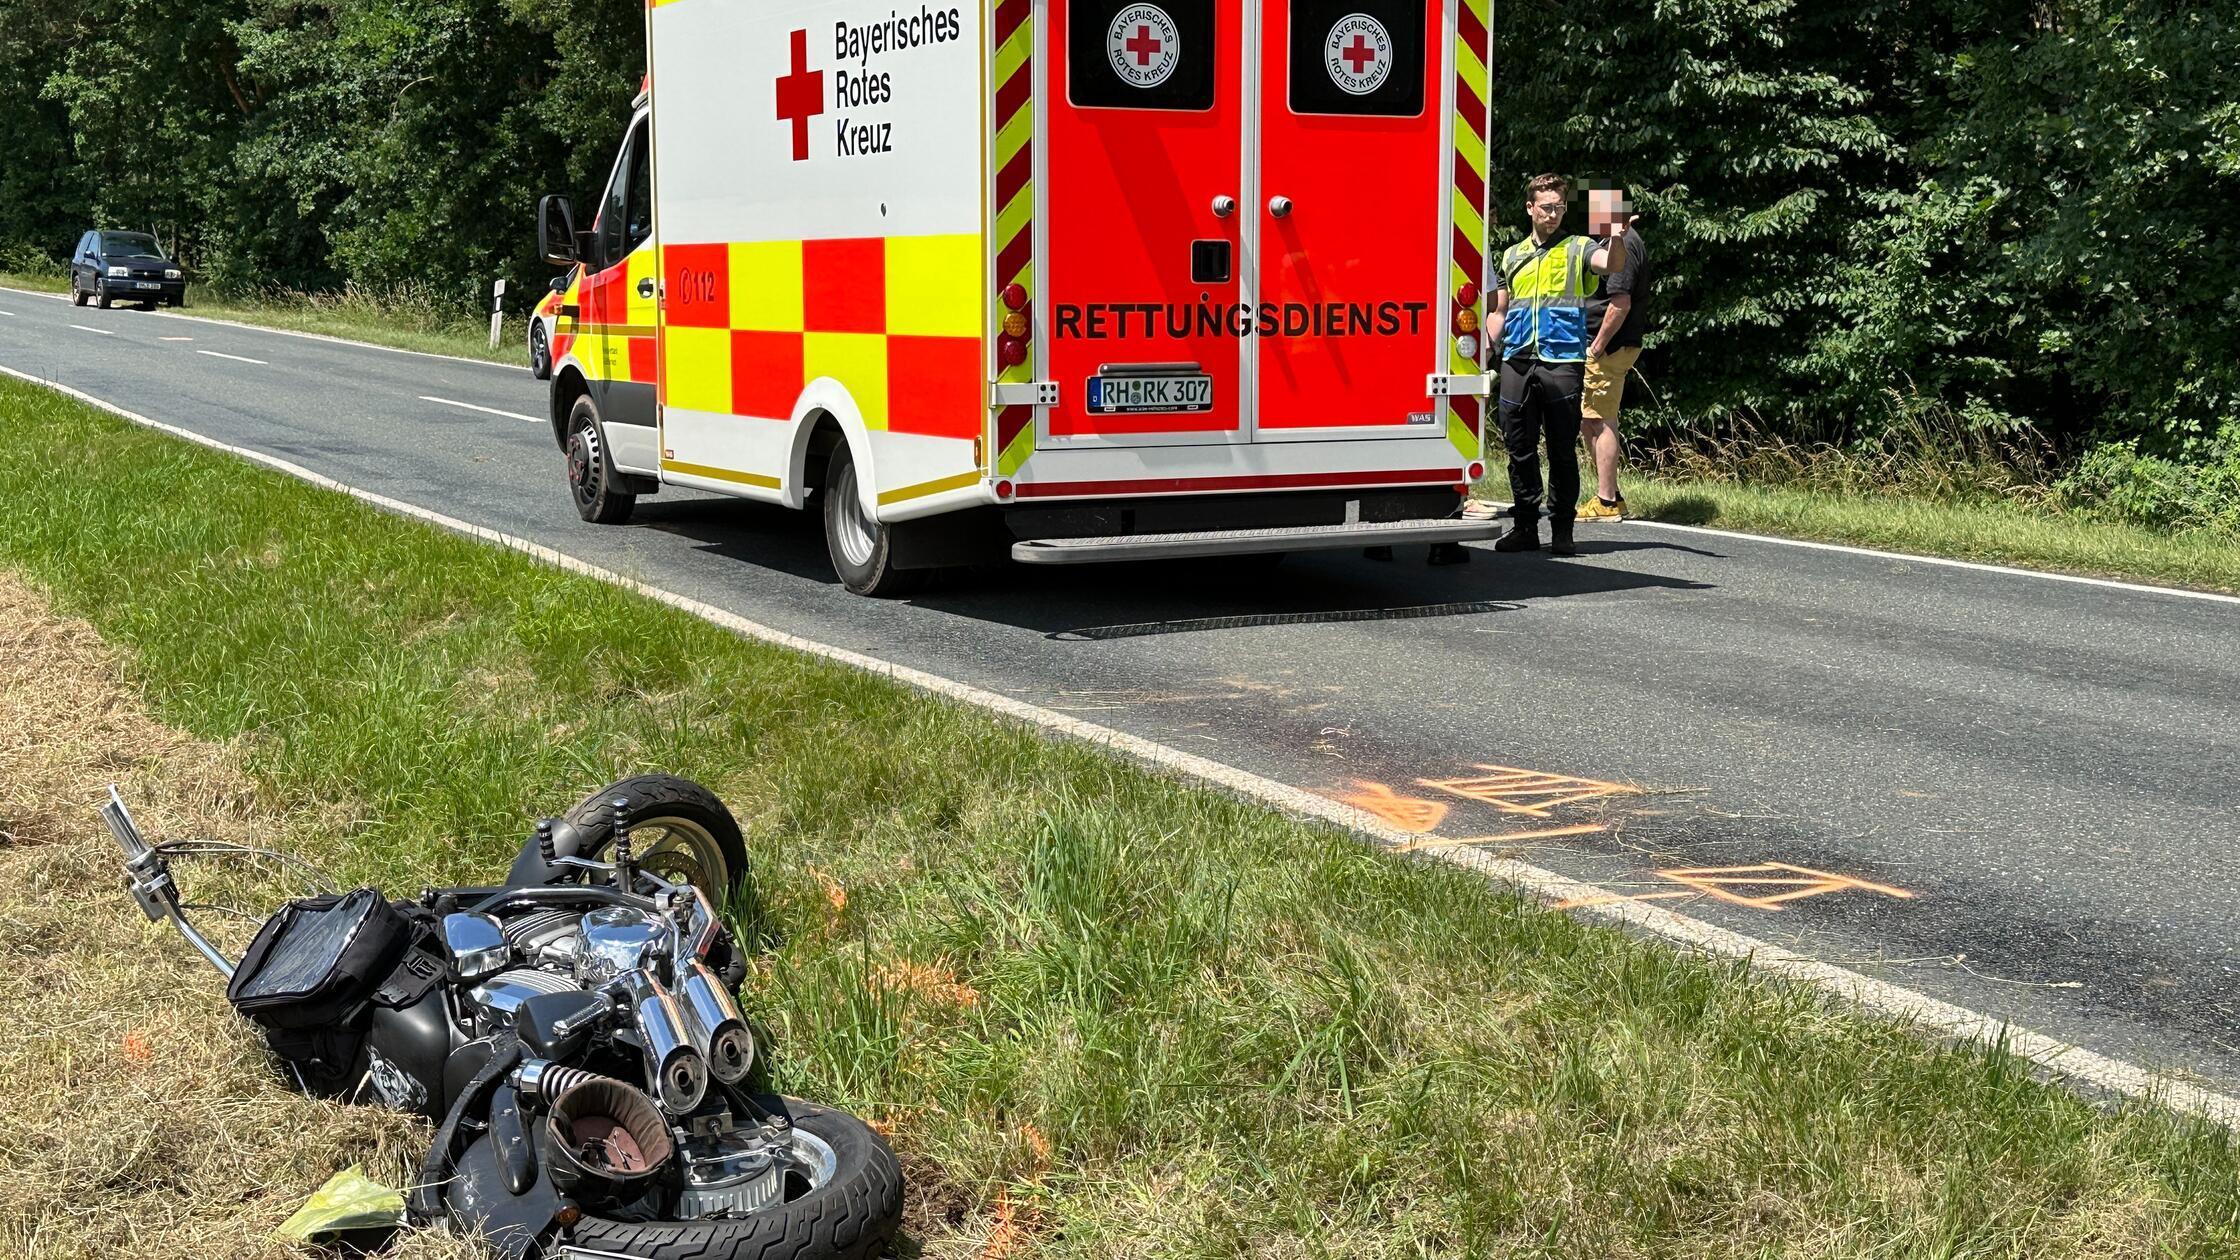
(1595, 509)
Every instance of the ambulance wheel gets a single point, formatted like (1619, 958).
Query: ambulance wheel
(540, 352)
(862, 549)
(598, 495)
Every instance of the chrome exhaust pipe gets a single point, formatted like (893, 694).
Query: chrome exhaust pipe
(676, 1071)
(718, 1028)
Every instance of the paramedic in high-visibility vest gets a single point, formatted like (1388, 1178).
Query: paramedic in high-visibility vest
(1539, 321)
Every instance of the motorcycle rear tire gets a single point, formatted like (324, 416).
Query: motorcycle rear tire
(851, 1217)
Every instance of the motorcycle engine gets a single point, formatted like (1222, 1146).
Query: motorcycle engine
(560, 951)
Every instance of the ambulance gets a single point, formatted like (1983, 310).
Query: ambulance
(1068, 280)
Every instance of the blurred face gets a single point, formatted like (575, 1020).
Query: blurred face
(1605, 206)
(1546, 210)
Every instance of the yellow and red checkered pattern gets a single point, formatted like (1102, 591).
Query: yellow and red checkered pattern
(895, 320)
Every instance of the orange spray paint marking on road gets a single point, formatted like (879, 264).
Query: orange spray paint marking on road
(1611, 899)
(1408, 813)
(1527, 792)
(1768, 885)
(1507, 837)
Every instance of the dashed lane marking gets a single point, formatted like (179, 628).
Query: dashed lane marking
(295, 332)
(217, 354)
(174, 339)
(1932, 1015)
(102, 331)
(510, 415)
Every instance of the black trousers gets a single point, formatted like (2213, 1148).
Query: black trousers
(1540, 401)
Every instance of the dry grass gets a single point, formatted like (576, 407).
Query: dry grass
(143, 1119)
(1926, 453)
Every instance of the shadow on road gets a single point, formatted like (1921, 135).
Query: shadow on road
(1119, 601)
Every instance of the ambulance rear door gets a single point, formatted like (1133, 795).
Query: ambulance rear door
(1246, 219)
(1144, 153)
(1351, 175)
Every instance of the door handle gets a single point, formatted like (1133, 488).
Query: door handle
(1280, 207)
(645, 287)
(1224, 206)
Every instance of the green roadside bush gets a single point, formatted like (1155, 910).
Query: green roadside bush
(2116, 481)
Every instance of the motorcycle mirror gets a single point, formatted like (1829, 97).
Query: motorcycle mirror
(558, 1025)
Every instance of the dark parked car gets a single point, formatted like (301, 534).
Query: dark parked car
(115, 267)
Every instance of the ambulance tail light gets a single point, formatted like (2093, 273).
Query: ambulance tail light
(1468, 295)
(1011, 347)
(1465, 322)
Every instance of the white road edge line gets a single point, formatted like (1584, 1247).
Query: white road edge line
(1941, 1018)
(102, 331)
(2048, 575)
(220, 354)
(293, 332)
(2078, 579)
(510, 415)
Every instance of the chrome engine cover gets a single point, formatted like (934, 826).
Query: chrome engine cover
(497, 998)
(614, 939)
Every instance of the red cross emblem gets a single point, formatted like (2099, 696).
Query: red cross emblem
(1143, 45)
(1360, 54)
(800, 95)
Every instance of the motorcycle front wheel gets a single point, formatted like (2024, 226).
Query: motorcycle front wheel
(678, 830)
(845, 1203)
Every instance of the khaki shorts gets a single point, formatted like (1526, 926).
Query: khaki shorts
(1606, 384)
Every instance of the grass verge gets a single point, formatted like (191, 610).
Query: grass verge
(1102, 1014)
(405, 321)
(1992, 532)
(142, 1120)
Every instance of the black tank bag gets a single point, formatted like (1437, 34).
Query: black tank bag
(310, 979)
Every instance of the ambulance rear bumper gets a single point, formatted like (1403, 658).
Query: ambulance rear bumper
(1239, 542)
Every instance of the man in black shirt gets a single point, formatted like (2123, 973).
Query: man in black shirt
(1616, 316)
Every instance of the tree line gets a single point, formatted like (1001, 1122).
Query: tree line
(2015, 211)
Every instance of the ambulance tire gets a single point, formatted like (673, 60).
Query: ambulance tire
(861, 548)
(598, 493)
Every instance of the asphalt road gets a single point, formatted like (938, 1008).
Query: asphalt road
(2016, 794)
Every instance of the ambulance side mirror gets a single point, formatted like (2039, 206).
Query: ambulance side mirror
(556, 231)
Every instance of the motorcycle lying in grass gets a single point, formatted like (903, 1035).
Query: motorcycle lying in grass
(574, 1033)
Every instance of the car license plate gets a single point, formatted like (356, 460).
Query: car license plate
(1117, 395)
(146, 284)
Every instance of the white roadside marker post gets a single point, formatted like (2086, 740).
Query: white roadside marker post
(497, 308)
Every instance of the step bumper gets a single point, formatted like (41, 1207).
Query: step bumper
(1240, 542)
